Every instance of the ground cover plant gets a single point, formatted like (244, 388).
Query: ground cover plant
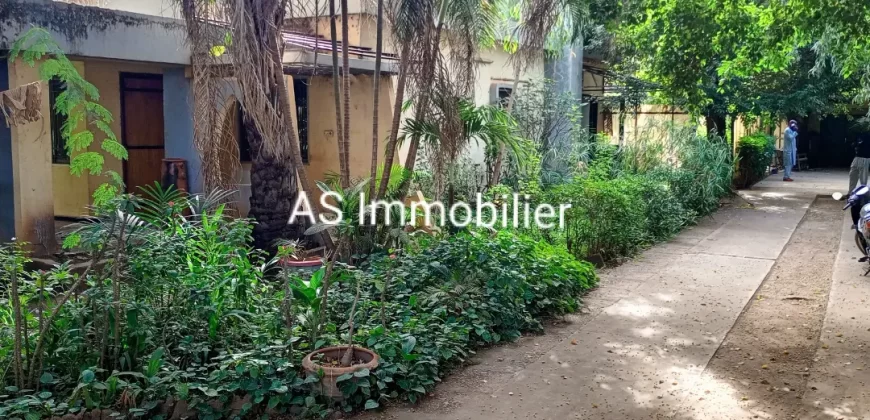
(182, 306)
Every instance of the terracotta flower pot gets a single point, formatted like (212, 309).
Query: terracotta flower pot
(309, 264)
(331, 373)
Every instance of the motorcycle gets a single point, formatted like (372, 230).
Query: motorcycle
(860, 212)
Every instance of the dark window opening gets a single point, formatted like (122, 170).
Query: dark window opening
(300, 90)
(504, 94)
(593, 117)
(58, 143)
(244, 142)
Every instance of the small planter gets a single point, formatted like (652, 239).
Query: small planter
(328, 384)
(309, 264)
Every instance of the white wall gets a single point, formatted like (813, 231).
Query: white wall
(162, 8)
(100, 33)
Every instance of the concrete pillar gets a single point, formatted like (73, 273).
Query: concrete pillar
(566, 71)
(31, 169)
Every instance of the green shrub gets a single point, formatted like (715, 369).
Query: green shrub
(607, 218)
(755, 153)
(665, 212)
(203, 318)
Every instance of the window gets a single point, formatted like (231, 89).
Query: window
(593, 116)
(300, 90)
(244, 142)
(504, 94)
(59, 154)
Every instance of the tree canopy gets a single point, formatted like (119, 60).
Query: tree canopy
(727, 57)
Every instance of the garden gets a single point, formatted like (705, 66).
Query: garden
(176, 313)
(168, 305)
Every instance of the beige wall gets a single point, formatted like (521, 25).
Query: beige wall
(61, 193)
(322, 141)
(648, 115)
(73, 194)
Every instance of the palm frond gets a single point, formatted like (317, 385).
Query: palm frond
(202, 203)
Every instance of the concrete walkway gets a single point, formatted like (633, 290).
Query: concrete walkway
(641, 347)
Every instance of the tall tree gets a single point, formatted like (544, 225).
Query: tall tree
(722, 59)
(343, 164)
(379, 34)
(470, 26)
(345, 86)
(254, 45)
(406, 17)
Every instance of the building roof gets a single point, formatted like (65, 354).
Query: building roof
(300, 56)
(322, 44)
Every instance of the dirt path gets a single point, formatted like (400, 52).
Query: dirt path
(764, 363)
(658, 339)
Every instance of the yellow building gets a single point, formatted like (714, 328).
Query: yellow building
(140, 64)
(135, 53)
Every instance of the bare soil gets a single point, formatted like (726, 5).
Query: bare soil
(768, 353)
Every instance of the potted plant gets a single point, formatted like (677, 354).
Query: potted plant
(330, 363)
(290, 256)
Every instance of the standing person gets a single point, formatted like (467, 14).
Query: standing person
(860, 166)
(789, 149)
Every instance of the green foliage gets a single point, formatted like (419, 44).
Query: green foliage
(643, 193)
(755, 154)
(79, 103)
(748, 57)
(552, 122)
(607, 218)
(204, 319)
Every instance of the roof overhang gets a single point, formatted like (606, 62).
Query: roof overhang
(303, 52)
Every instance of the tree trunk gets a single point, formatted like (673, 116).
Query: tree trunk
(284, 109)
(715, 124)
(273, 189)
(345, 78)
(375, 98)
(116, 286)
(339, 132)
(423, 106)
(397, 118)
(18, 321)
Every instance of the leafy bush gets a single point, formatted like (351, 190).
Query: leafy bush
(666, 214)
(754, 153)
(207, 319)
(607, 218)
(642, 193)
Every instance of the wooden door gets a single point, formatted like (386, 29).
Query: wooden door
(142, 127)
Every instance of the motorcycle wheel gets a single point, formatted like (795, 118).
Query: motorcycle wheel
(861, 243)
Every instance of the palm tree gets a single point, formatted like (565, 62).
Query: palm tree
(375, 94)
(344, 143)
(343, 162)
(255, 55)
(471, 25)
(454, 124)
(407, 17)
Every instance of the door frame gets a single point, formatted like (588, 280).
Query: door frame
(122, 76)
